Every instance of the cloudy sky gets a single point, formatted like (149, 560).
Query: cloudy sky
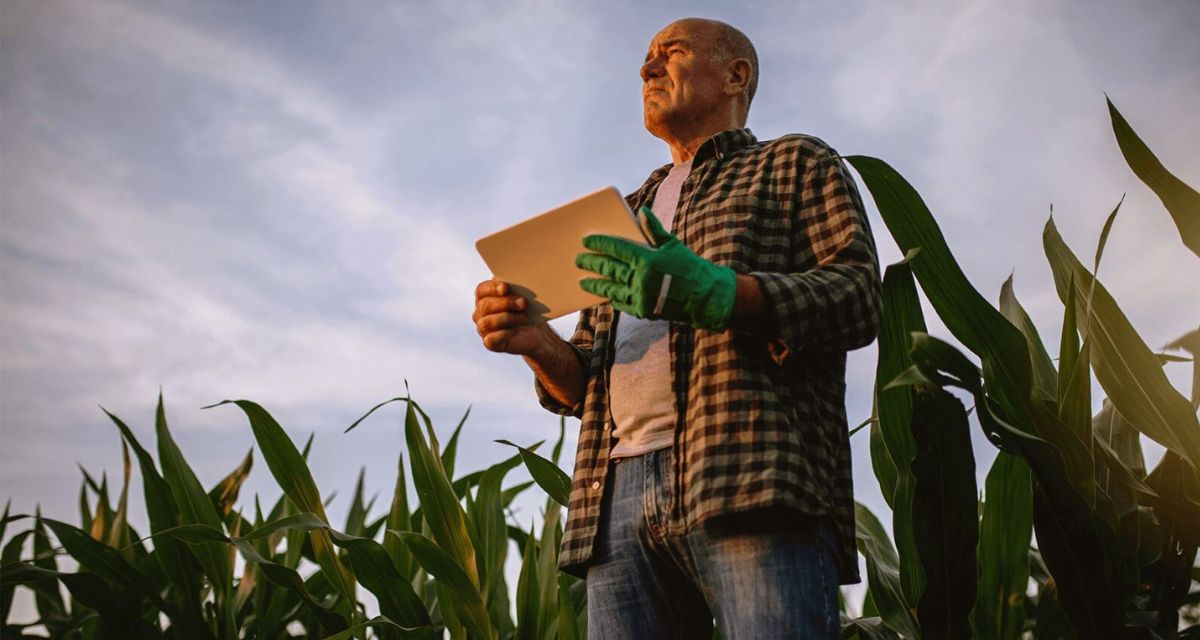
(279, 201)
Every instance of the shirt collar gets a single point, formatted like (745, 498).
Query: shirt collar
(719, 146)
(723, 144)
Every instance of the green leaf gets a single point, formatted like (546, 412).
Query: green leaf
(374, 569)
(465, 597)
(1075, 544)
(225, 494)
(176, 560)
(866, 629)
(451, 451)
(119, 615)
(547, 569)
(105, 561)
(883, 465)
(883, 572)
(440, 507)
(486, 514)
(1125, 367)
(568, 622)
(1181, 201)
(528, 592)
(193, 504)
(1004, 536)
(10, 555)
(356, 515)
(1044, 374)
(289, 579)
(549, 477)
(972, 320)
(292, 473)
(945, 524)
(384, 621)
(901, 317)
(399, 519)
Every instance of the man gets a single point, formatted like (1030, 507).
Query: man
(712, 477)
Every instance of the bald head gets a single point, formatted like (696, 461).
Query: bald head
(698, 80)
(726, 44)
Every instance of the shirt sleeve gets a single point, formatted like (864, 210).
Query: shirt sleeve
(581, 343)
(835, 305)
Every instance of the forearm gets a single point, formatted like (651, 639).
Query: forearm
(557, 368)
(750, 311)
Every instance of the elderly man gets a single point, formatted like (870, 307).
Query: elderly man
(712, 478)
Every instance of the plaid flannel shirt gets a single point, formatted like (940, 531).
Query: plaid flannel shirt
(761, 418)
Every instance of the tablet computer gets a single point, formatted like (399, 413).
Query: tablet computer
(537, 257)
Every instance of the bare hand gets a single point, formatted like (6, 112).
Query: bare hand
(501, 321)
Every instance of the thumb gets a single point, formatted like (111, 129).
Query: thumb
(657, 233)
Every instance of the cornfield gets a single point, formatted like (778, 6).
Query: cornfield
(1115, 553)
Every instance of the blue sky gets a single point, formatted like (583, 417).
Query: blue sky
(279, 201)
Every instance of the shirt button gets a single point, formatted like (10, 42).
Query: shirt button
(596, 486)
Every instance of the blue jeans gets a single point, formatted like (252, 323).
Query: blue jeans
(760, 574)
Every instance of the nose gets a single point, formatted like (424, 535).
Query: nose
(652, 68)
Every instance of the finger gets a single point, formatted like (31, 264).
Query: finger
(498, 304)
(498, 340)
(607, 289)
(617, 247)
(489, 288)
(500, 321)
(606, 266)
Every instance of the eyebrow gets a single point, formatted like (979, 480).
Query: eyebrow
(667, 45)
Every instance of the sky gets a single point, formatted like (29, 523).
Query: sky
(279, 201)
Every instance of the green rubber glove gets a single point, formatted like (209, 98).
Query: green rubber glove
(667, 282)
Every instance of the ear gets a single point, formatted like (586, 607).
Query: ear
(737, 76)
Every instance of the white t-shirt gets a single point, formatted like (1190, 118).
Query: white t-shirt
(640, 396)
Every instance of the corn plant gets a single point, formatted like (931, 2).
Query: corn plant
(434, 569)
(1116, 546)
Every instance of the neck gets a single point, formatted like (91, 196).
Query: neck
(684, 139)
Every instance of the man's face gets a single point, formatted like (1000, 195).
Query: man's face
(680, 83)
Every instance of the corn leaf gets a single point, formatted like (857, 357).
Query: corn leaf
(883, 572)
(1181, 201)
(398, 519)
(374, 569)
(944, 520)
(883, 465)
(1077, 547)
(568, 625)
(972, 320)
(528, 592)
(386, 623)
(464, 595)
(451, 451)
(8, 557)
(290, 471)
(192, 502)
(486, 514)
(289, 579)
(549, 477)
(225, 494)
(120, 616)
(1003, 553)
(105, 561)
(1125, 367)
(901, 317)
(1044, 374)
(178, 563)
(356, 515)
